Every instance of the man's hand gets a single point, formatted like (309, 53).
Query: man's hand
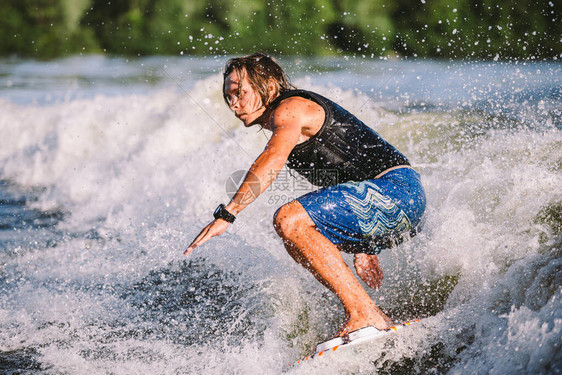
(214, 228)
(368, 269)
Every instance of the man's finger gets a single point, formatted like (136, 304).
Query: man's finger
(366, 275)
(189, 249)
(370, 278)
(197, 241)
(371, 281)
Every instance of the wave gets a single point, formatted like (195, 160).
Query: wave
(129, 180)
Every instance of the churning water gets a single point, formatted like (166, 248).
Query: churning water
(110, 167)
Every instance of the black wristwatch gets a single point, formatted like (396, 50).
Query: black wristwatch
(222, 213)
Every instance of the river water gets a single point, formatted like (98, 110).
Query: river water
(110, 167)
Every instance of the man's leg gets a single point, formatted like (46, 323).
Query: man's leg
(323, 259)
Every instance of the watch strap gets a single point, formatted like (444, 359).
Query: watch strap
(222, 213)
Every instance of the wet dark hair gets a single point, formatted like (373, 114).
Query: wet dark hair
(260, 68)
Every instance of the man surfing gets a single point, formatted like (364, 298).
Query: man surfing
(369, 194)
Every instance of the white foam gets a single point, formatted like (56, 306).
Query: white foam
(138, 175)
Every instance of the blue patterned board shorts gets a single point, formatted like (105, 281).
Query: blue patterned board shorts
(368, 216)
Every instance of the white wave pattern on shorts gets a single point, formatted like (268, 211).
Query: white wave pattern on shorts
(138, 174)
(377, 214)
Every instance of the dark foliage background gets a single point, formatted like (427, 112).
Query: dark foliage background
(527, 29)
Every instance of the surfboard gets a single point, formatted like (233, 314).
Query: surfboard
(353, 340)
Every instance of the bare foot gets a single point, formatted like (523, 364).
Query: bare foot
(375, 318)
(343, 329)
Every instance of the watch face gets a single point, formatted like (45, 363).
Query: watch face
(219, 212)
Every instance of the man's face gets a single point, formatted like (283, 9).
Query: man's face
(243, 100)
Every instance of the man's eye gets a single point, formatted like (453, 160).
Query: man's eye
(232, 97)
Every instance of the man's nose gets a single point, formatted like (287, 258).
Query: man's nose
(234, 104)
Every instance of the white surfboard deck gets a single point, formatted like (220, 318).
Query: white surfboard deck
(353, 339)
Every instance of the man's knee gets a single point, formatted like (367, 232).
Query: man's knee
(289, 217)
(282, 218)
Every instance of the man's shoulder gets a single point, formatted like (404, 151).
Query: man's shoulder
(297, 111)
(298, 108)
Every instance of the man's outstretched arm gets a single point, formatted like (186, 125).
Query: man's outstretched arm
(286, 133)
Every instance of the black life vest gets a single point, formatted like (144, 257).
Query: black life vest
(343, 149)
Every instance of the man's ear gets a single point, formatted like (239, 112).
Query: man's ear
(272, 89)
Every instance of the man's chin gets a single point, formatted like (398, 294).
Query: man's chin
(247, 121)
(244, 121)
(250, 119)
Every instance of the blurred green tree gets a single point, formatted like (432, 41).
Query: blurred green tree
(43, 28)
(419, 28)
